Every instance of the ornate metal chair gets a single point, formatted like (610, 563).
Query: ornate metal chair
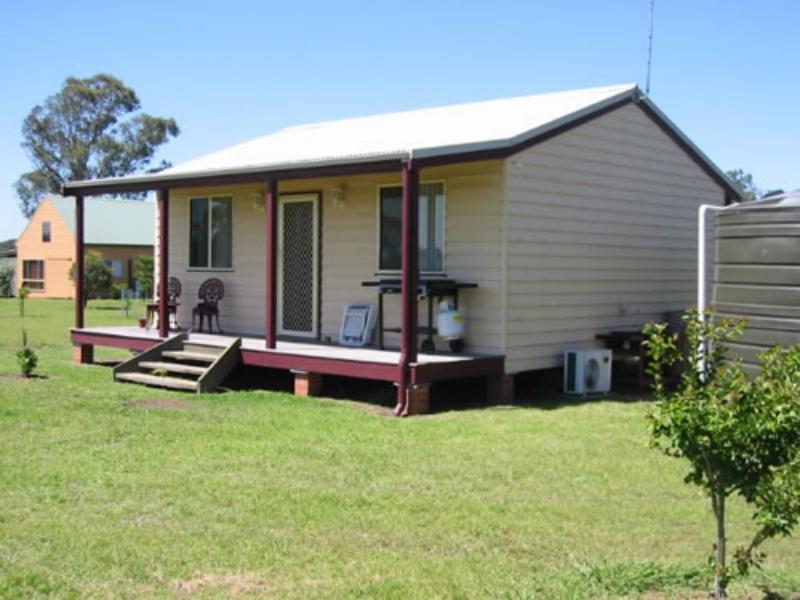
(173, 293)
(210, 293)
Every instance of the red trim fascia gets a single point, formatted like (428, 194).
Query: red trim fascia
(384, 166)
(325, 366)
(477, 367)
(113, 341)
(730, 192)
(500, 153)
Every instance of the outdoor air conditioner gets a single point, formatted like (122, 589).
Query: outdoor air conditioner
(587, 372)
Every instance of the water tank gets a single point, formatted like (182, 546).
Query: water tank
(757, 272)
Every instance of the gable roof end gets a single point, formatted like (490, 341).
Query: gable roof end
(471, 131)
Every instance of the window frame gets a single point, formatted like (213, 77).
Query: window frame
(47, 232)
(109, 262)
(437, 273)
(43, 280)
(208, 267)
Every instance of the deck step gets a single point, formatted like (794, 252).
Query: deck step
(174, 383)
(173, 367)
(192, 356)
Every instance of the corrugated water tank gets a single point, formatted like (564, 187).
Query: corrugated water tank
(757, 272)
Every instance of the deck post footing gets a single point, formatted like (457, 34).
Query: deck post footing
(418, 400)
(500, 389)
(307, 384)
(83, 354)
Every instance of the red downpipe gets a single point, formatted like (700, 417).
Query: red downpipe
(80, 297)
(271, 236)
(163, 262)
(409, 260)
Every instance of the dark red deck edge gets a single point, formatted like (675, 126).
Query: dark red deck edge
(113, 341)
(325, 366)
(418, 374)
(477, 367)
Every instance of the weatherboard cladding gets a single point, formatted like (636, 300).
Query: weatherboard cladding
(111, 222)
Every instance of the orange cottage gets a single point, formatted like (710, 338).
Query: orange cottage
(120, 230)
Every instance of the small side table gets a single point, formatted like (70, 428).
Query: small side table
(152, 312)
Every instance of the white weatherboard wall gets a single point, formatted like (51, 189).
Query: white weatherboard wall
(601, 235)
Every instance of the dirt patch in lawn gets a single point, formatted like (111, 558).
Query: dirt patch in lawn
(18, 377)
(161, 404)
(232, 584)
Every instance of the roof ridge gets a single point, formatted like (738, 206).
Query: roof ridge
(475, 103)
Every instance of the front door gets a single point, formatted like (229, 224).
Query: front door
(298, 265)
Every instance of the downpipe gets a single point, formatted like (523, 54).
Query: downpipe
(703, 213)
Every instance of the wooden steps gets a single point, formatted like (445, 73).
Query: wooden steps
(172, 367)
(173, 383)
(192, 356)
(178, 364)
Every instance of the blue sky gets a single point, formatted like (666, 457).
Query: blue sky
(728, 73)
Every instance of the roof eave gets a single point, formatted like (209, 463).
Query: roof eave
(251, 173)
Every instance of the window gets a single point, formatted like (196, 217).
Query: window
(211, 238)
(46, 231)
(431, 228)
(33, 274)
(115, 266)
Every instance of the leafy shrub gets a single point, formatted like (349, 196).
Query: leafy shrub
(6, 282)
(97, 279)
(740, 434)
(27, 361)
(143, 271)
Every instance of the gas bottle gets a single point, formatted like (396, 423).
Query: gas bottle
(449, 322)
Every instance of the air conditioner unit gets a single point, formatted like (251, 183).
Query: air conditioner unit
(587, 372)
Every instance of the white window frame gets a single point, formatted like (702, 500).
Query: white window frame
(208, 266)
(443, 270)
(43, 280)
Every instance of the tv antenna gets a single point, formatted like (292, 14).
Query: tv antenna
(650, 47)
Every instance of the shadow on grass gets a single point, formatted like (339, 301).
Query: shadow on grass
(539, 390)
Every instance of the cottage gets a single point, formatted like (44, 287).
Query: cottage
(564, 215)
(119, 230)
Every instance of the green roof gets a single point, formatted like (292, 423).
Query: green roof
(8, 248)
(111, 222)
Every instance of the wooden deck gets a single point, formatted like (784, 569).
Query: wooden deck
(323, 359)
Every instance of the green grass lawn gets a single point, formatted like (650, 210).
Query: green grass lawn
(266, 494)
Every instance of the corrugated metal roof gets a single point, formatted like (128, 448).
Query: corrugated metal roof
(421, 133)
(111, 222)
(434, 132)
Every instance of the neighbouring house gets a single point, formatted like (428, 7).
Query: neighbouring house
(573, 214)
(8, 260)
(119, 230)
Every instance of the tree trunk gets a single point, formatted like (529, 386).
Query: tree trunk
(720, 572)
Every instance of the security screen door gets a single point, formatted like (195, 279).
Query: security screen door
(298, 265)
